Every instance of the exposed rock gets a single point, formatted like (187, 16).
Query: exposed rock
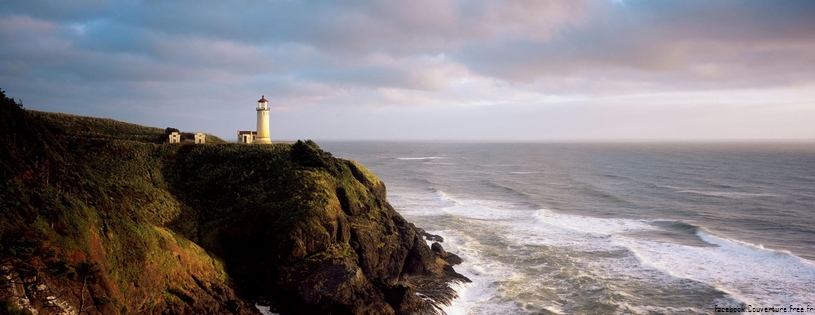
(451, 258)
(430, 237)
(354, 255)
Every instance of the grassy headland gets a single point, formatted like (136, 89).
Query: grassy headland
(102, 216)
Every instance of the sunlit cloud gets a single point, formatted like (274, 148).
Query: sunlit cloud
(472, 62)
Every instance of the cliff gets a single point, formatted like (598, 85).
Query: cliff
(100, 217)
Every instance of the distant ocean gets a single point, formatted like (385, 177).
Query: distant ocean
(576, 228)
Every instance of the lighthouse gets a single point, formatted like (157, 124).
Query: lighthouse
(263, 122)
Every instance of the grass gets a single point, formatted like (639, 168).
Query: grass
(152, 215)
(94, 190)
(9, 308)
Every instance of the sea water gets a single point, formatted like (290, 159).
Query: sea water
(605, 228)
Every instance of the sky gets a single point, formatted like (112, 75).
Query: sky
(444, 70)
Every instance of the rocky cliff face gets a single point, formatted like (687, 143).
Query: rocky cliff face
(319, 228)
(99, 217)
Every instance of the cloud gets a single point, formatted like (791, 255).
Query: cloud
(139, 60)
(417, 73)
(689, 44)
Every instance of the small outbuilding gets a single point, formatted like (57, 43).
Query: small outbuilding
(175, 137)
(200, 137)
(247, 136)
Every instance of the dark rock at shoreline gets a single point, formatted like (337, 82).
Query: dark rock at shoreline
(430, 237)
(386, 268)
(450, 258)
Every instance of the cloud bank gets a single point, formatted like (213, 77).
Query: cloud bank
(512, 70)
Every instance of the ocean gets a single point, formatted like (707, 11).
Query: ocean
(611, 228)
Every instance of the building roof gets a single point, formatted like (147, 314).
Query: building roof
(262, 99)
(245, 132)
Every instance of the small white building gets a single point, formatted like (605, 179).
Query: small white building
(245, 136)
(200, 138)
(175, 137)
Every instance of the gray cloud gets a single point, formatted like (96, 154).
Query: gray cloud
(146, 61)
(689, 43)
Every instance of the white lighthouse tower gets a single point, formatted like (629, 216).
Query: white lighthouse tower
(263, 122)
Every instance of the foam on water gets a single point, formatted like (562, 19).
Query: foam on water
(747, 272)
(535, 231)
(752, 276)
(446, 197)
(613, 253)
(265, 310)
(589, 225)
(421, 203)
(728, 194)
(421, 158)
(496, 282)
(523, 281)
(482, 294)
(524, 259)
(481, 211)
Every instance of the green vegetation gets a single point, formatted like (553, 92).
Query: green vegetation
(8, 308)
(78, 189)
(68, 125)
(284, 191)
(91, 201)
